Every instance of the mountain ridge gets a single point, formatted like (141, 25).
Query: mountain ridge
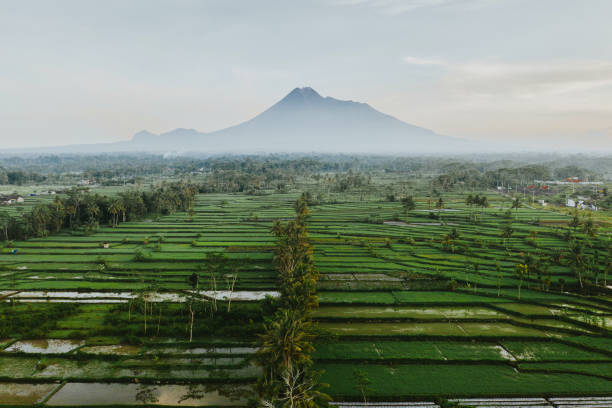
(302, 121)
(305, 121)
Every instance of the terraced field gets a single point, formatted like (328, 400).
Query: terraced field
(174, 247)
(386, 299)
(418, 320)
(82, 351)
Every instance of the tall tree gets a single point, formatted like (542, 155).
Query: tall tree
(516, 204)
(287, 341)
(408, 203)
(576, 259)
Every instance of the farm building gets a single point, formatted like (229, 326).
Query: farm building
(11, 199)
(580, 204)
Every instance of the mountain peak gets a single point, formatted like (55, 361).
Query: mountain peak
(306, 92)
(306, 121)
(302, 94)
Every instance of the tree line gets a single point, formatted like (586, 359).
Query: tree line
(475, 175)
(19, 177)
(80, 209)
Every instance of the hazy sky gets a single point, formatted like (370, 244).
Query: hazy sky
(93, 71)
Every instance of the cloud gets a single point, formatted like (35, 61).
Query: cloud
(523, 79)
(490, 98)
(395, 7)
(528, 78)
(423, 61)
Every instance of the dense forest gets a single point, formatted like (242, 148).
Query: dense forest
(122, 168)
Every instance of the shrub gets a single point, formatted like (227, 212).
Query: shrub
(141, 255)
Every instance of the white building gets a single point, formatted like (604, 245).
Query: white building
(580, 204)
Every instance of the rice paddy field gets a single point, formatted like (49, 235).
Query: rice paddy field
(419, 321)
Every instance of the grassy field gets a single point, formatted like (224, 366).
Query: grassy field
(418, 319)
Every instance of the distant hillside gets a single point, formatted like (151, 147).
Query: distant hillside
(303, 121)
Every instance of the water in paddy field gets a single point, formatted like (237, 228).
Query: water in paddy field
(49, 346)
(115, 349)
(202, 350)
(24, 394)
(78, 394)
(121, 297)
(74, 295)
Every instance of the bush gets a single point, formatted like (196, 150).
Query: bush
(141, 255)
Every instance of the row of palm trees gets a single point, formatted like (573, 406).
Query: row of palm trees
(285, 348)
(78, 207)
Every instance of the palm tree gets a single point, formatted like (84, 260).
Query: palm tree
(93, 211)
(506, 233)
(40, 217)
(589, 226)
(4, 223)
(499, 273)
(58, 214)
(285, 344)
(521, 271)
(301, 389)
(469, 200)
(576, 258)
(516, 204)
(575, 221)
(448, 243)
(408, 203)
(115, 208)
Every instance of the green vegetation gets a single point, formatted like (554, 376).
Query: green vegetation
(389, 279)
(284, 354)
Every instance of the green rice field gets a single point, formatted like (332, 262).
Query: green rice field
(420, 321)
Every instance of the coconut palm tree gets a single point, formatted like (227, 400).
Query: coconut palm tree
(5, 221)
(115, 208)
(521, 270)
(286, 343)
(576, 258)
(408, 203)
(506, 233)
(516, 204)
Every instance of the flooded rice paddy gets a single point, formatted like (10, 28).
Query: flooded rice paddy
(430, 329)
(47, 346)
(115, 349)
(408, 312)
(202, 350)
(80, 394)
(124, 297)
(24, 394)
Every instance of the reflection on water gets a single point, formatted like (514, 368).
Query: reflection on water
(115, 349)
(79, 394)
(49, 346)
(115, 297)
(24, 394)
(202, 350)
(408, 311)
(242, 295)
